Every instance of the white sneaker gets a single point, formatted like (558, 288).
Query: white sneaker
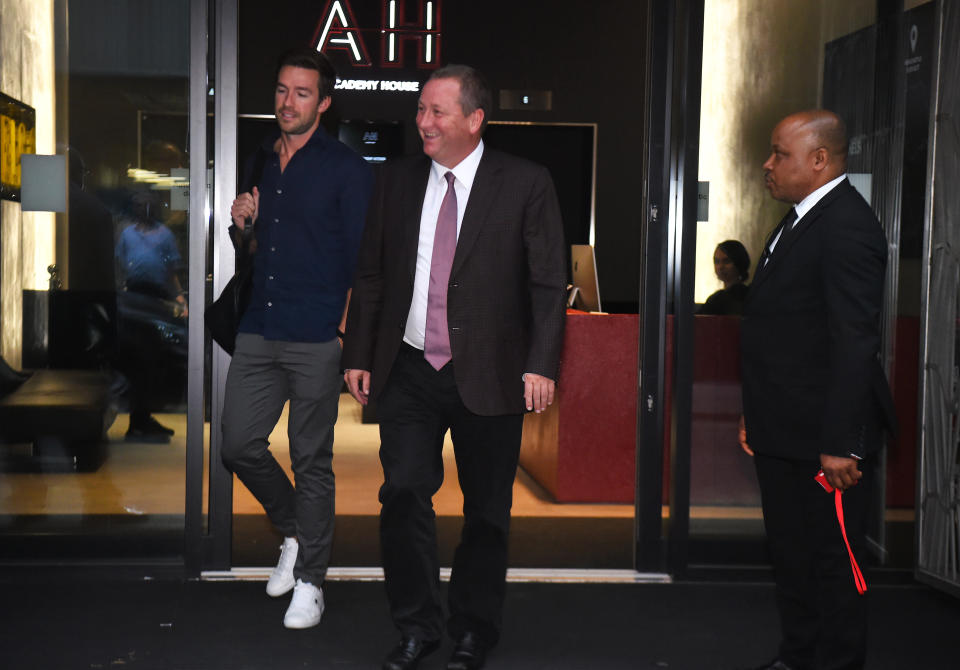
(281, 579)
(306, 606)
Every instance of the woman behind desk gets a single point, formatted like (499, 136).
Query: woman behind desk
(731, 262)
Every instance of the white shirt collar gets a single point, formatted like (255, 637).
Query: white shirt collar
(811, 200)
(464, 171)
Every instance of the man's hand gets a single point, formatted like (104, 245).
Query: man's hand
(841, 472)
(245, 207)
(181, 310)
(358, 383)
(742, 437)
(538, 392)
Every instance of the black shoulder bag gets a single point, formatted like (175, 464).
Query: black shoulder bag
(222, 317)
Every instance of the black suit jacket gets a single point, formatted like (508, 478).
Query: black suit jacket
(505, 302)
(810, 336)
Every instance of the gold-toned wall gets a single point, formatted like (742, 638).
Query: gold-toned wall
(26, 238)
(762, 59)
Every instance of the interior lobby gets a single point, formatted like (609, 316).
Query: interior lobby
(635, 475)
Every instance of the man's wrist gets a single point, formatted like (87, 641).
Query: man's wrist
(523, 377)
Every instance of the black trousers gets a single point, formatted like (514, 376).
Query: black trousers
(822, 616)
(416, 407)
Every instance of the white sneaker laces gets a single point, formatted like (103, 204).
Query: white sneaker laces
(288, 556)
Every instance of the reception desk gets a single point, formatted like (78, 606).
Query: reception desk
(582, 448)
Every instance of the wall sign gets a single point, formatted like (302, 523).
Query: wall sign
(377, 85)
(18, 136)
(338, 30)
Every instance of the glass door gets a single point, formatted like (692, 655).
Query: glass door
(98, 296)
(852, 62)
(596, 528)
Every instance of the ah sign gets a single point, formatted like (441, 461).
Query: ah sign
(338, 30)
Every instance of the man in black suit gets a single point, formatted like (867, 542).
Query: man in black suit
(814, 394)
(456, 321)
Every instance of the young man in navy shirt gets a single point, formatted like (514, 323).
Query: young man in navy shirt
(308, 207)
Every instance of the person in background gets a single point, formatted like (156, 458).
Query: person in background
(731, 262)
(148, 261)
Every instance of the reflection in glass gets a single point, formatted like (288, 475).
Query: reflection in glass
(93, 421)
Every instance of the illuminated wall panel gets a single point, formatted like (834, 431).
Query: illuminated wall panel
(27, 239)
(762, 59)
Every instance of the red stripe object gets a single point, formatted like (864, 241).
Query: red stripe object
(838, 501)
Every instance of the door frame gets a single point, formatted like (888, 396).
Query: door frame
(208, 532)
(668, 256)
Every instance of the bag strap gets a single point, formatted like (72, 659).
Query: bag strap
(253, 178)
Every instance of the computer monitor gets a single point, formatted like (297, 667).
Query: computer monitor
(585, 293)
(376, 141)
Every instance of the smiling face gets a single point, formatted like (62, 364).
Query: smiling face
(297, 102)
(448, 134)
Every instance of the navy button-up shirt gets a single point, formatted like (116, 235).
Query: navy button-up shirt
(308, 231)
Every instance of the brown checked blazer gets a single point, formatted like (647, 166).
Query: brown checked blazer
(505, 302)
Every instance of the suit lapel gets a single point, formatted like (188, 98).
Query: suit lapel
(806, 223)
(414, 191)
(486, 185)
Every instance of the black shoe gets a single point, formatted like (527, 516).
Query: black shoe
(148, 430)
(469, 654)
(408, 653)
(148, 437)
(152, 425)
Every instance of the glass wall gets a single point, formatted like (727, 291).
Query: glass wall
(93, 412)
(762, 62)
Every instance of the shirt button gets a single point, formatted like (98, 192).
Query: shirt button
(273, 248)
(279, 191)
(276, 220)
(270, 277)
(269, 304)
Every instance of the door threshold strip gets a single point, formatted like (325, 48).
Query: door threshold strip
(517, 575)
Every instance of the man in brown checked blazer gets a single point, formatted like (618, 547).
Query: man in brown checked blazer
(456, 321)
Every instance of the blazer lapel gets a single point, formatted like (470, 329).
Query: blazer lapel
(803, 225)
(413, 193)
(486, 185)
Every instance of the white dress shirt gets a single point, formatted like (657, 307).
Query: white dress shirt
(464, 173)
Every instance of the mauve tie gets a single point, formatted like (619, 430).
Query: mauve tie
(436, 341)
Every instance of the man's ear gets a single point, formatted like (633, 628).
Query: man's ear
(476, 120)
(324, 105)
(821, 157)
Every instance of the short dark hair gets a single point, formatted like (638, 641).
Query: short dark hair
(310, 59)
(475, 92)
(738, 254)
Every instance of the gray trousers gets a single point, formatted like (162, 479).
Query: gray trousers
(263, 375)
